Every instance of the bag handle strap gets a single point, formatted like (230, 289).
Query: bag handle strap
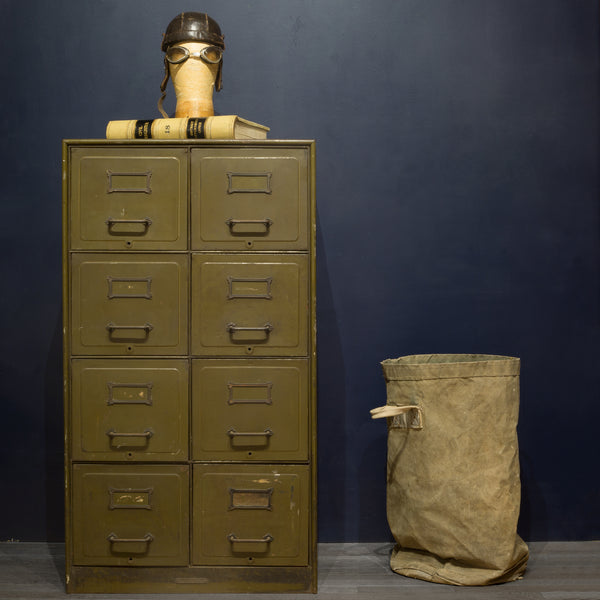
(390, 410)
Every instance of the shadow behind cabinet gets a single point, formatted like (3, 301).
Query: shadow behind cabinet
(190, 392)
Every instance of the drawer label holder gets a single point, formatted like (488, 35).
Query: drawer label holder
(249, 183)
(245, 499)
(129, 393)
(129, 287)
(246, 389)
(130, 498)
(127, 177)
(249, 287)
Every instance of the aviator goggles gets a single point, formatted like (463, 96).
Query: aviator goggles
(209, 54)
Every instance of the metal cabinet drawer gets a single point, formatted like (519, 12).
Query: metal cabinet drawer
(130, 515)
(250, 198)
(253, 410)
(250, 515)
(254, 305)
(136, 410)
(134, 304)
(124, 198)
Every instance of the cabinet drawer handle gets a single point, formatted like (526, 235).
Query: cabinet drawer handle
(232, 328)
(265, 539)
(146, 328)
(114, 539)
(233, 223)
(111, 433)
(144, 222)
(266, 433)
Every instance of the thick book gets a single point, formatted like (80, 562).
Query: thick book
(223, 127)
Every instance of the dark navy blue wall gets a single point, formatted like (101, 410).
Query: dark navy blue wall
(458, 212)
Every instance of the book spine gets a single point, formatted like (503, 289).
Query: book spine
(220, 127)
(120, 130)
(195, 128)
(179, 128)
(169, 129)
(143, 129)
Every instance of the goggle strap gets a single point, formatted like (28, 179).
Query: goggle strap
(160, 106)
(163, 89)
(218, 81)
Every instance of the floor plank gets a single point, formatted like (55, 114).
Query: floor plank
(556, 571)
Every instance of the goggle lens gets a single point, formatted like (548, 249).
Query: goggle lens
(177, 54)
(212, 54)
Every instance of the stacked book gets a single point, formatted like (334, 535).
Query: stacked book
(223, 127)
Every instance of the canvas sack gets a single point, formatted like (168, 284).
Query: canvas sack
(453, 485)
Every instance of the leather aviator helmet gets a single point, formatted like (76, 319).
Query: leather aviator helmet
(191, 27)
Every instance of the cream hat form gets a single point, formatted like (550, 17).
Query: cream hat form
(194, 83)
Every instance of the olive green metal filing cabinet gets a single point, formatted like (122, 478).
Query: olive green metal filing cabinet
(190, 366)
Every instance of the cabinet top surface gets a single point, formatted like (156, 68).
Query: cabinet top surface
(185, 142)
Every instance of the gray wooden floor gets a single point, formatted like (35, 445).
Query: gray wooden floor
(556, 571)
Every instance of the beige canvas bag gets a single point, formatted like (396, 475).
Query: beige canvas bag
(453, 487)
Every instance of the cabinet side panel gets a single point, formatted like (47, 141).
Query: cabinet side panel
(313, 362)
(66, 349)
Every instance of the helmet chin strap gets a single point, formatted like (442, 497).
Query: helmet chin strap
(163, 89)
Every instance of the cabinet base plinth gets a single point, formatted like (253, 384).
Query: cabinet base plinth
(190, 580)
